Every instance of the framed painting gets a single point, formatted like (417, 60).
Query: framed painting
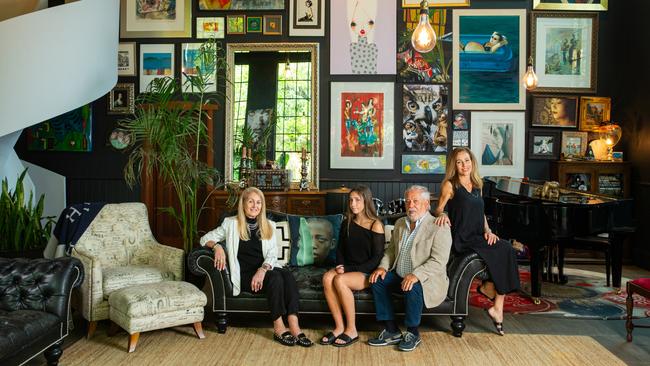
(424, 123)
(241, 5)
(369, 46)
(236, 24)
(424, 164)
(155, 19)
(191, 63)
(555, 111)
(435, 3)
(71, 131)
(121, 99)
(126, 59)
(593, 112)
(565, 51)
(253, 24)
(119, 139)
(489, 54)
(156, 61)
(460, 138)
(574, 144)
(581, 5)
(213, 27)
(362, 123)
(544, 144)
(307, 18)
(461, 120)
(498, 139)
(272, 25)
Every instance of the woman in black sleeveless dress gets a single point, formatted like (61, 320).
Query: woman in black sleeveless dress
(461, 193)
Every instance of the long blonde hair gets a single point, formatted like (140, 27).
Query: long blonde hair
(451, 173)
(266, 231)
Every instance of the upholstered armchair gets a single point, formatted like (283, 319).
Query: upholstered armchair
(118, 250)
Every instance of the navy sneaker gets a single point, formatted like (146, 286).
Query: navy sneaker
(385, 338)
(409, 342)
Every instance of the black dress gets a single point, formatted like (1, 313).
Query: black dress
(466, 213)
(360, 249)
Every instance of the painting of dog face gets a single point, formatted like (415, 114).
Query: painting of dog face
(424, 127)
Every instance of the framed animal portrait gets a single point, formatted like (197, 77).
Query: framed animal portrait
(121, 99)
(564, 47)
(544, 144)
(425, 121)
(581, 5)
(555, 111)
(362, 123)
(307, 18)
(214, 27)
(272, 25)
(574, 144)
(498, 139)
(126, 59)
(593, 112)
(155, 19)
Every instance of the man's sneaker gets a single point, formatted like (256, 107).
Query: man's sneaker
(385, 338)
(409, 342)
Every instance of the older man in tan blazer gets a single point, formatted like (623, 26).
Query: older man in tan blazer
(415, 264)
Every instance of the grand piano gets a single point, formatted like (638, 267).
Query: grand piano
(523, 210)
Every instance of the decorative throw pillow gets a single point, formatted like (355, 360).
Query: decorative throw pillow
(314, 239)
(388, 232)
(283, 241)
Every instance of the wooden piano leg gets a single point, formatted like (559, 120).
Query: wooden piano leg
(616, 242)
(535, 275)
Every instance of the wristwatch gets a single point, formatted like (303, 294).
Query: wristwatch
(266, 267)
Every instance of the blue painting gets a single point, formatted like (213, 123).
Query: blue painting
(157, 63)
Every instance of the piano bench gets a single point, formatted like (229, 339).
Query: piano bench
(640, 286)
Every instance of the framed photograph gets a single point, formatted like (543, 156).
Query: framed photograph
(307, 18)
(461, 120)
(156, 61)
(424, 164)
(435, 3)
(589, 5)
(489, 52)
(236, 24)
(241, 5)
(214, 27)
(191, 63)
(121, 99)
(272, 25)
(155, 19)
(126, 59)
(253, 24)
(362, 123)
(460, 138)
(424, 123)
(544, 144)
(70, 131)
(369, 47)
(498, 140)
(593, 112)
(574, 144)
(119, 139)
(555, 111)
(565, 51)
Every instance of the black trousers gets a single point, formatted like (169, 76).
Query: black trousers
(280, 289)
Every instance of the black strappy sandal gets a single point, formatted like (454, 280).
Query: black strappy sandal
(330, 338)
(497, 325)
(303, 341)
(286, 339)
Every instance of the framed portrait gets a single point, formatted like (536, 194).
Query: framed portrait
(191, 63)
(435, 3)
(121, 99)
(126, 59)
(460, 138)
(70, 131)
(370, 47)
(155, 19)
(424, 123)
(460, 120)
(156, 61)
(236, 24)
(489, 51)
(555, 111)
(589, 5)
(594, 111)
(544, 144)
(565, 51)
(574, 144)
(498, 139)
(362, 123)
(253, 24)
(424, 164)
(241, 5)
(307, 18)
(213, 27)
(272, 25)
(119, 139)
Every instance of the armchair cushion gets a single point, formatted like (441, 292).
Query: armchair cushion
(120, 277)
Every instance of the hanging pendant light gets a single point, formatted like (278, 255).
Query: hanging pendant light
(424, 37)
(530, 79)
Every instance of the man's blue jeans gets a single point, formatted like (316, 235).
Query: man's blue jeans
(414, 299)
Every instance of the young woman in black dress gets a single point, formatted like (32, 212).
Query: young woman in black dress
(461, 193)
(360, 249)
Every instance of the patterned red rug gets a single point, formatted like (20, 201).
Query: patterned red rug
(584, 296)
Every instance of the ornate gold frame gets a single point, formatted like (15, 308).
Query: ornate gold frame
(538, 5)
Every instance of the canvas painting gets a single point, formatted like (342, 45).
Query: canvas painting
(253, 24)
(210, 27)
(498, 139)
(121, 99)
(236, 24)
(307, 18)
(191, 63)
(460, 138)
(272, 25)
(71, 131)
(461, 120)
(574, 144)
(157, 18)
(424, 164)
(489, 51)
(555, 111)
(156, 61)
(362, 38)
(593, 112)
(241, 4)
(424, 111)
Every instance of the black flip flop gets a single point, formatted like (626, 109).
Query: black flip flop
(331, 338)
(478, 289)
(286, 339)
(303, 341)
(345, 338)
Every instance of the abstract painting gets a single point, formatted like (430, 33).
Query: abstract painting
(71, 131)
(424, 111)
(214, 27)
(191, 63)
(424, 164)
(155, 18)
(156, 61)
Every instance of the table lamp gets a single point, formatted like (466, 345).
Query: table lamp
(610, 134)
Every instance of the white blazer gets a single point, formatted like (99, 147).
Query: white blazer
(229, 231)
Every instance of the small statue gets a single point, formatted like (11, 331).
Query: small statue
(551, 190)
(304, 183)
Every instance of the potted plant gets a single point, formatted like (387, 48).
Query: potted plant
(23, 229)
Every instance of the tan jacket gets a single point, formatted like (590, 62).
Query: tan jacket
(429, 255)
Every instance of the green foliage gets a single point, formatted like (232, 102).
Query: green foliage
(258, 144)
(21, 227)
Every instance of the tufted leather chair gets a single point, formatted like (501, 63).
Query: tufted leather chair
(118, 250)
(34, 307)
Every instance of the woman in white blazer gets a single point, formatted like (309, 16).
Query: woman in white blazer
(247, 242)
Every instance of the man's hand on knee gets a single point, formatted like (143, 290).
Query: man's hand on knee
(408, 282)
(379, 272)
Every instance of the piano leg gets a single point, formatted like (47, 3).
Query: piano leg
(616, 241)
(562, 279)
(535, 274)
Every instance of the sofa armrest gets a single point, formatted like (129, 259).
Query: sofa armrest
(200, 261)
(462, 270)
(92, 289)
(169, 258)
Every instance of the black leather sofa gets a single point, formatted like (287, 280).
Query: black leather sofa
(34, 307)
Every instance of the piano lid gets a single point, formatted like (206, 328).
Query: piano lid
(532, 189)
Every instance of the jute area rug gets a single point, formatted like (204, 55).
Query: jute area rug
(253, 346)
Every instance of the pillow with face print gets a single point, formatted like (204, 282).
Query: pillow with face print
(314, 239)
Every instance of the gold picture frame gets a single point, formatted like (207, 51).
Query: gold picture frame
(594, 111)
(121, 99)
(272, 25)
(602, 5)
(574, 144)
(151, 23)
(436, 3)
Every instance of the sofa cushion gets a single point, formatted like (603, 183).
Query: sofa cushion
(283, 242)
(164, 297)
(20, 328)
(314, 239)
(310, 283)
(120, 277)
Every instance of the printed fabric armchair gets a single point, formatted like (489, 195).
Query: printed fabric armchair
(118, 250)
